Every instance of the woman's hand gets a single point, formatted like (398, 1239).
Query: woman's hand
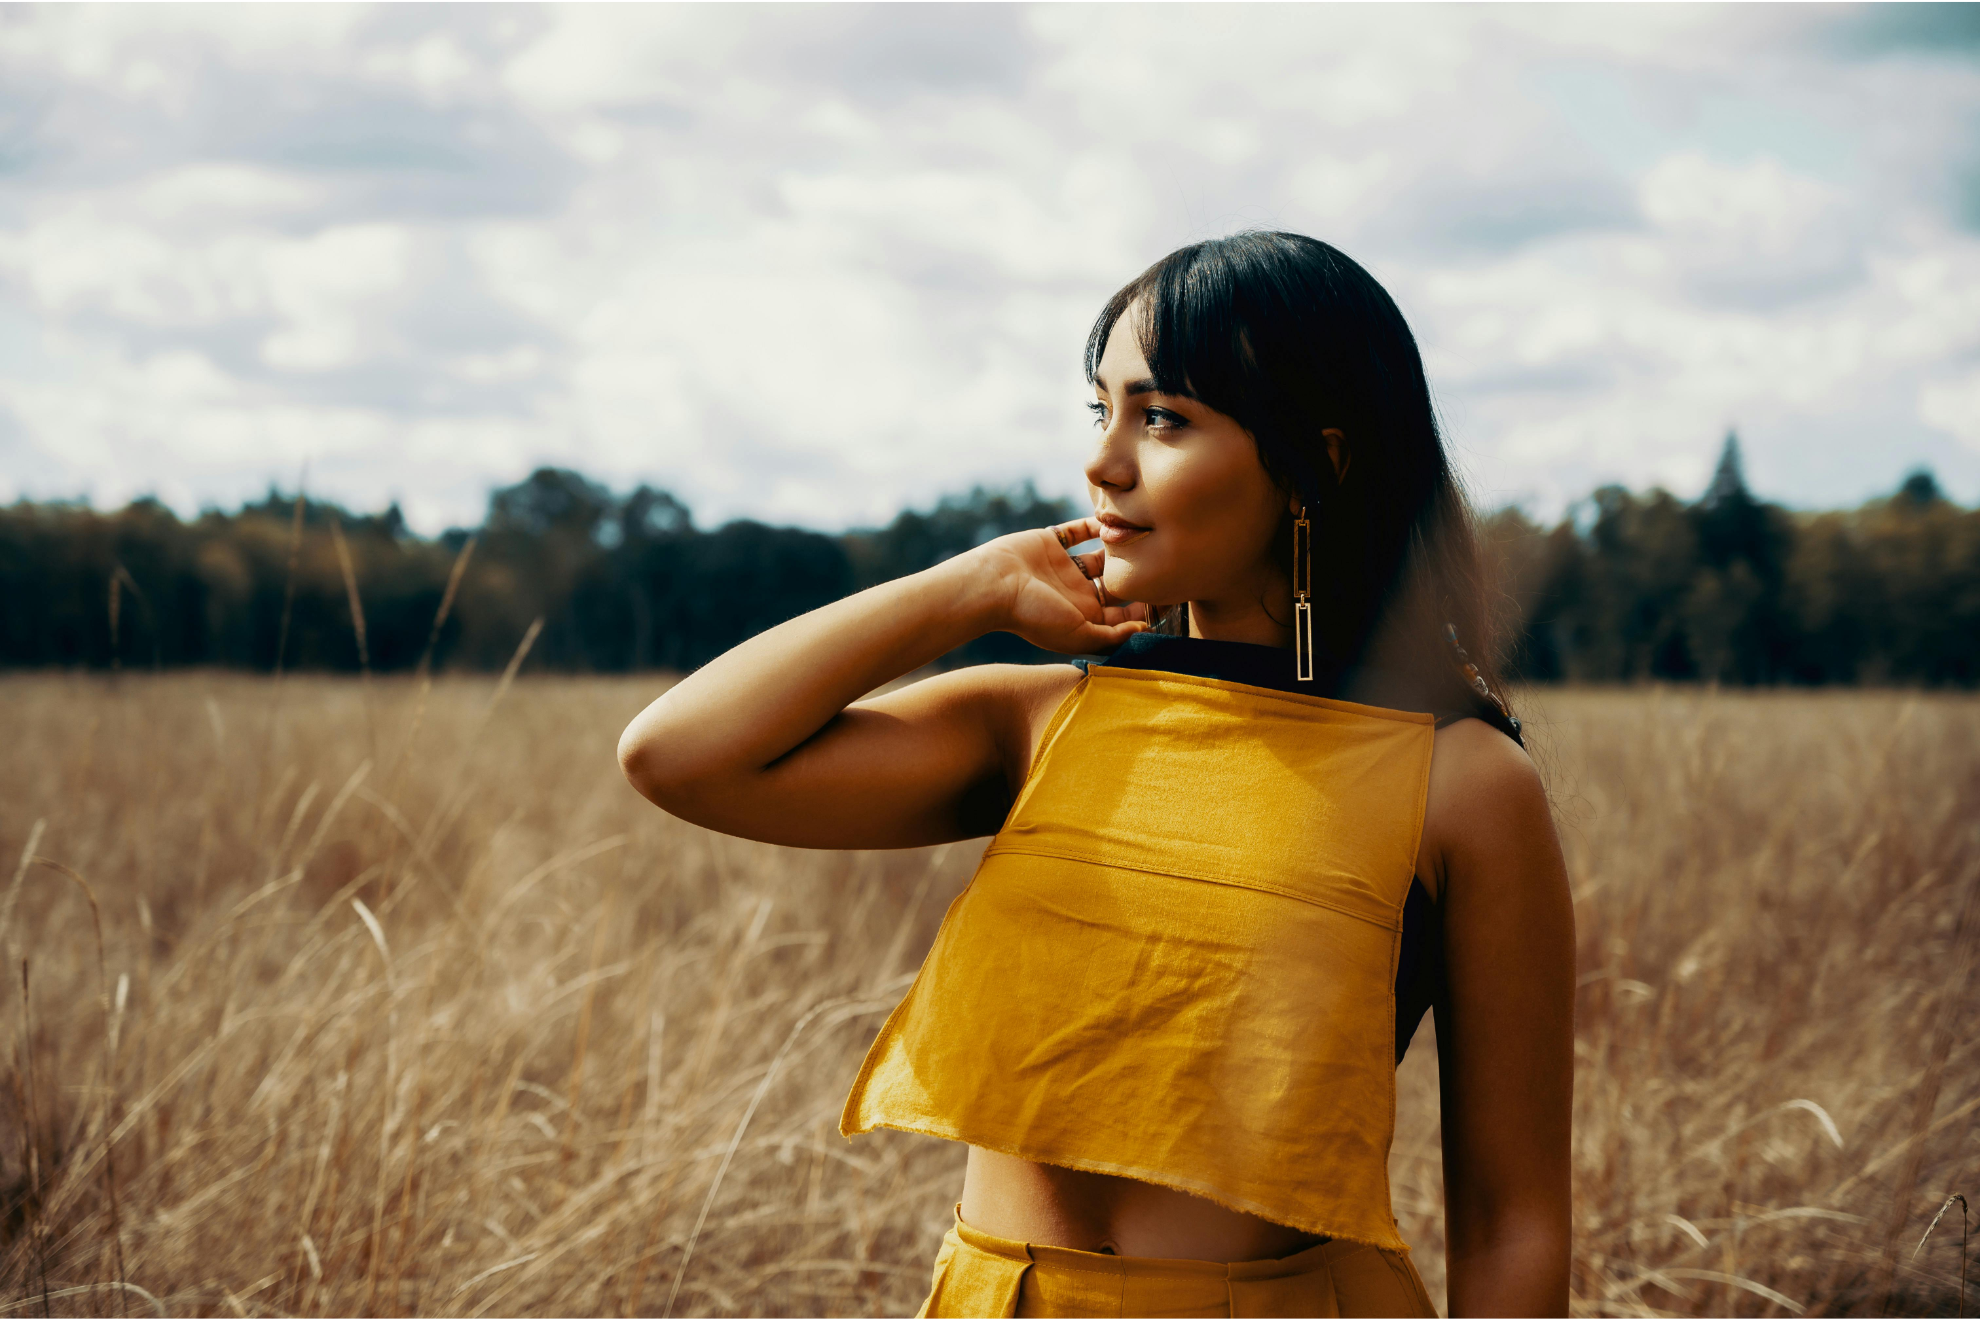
(1054, 599)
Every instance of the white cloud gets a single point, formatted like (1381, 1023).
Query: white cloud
(208, 192)
(436, 64)
(1753, 231)
(326, 289)
(813, 263)
(152, 55)
(1953, 406)
(601, 55)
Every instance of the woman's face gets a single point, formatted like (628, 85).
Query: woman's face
(1187, 510)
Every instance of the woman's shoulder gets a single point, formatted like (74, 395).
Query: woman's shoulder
(1024, 699)
(1016, 702)
(1485, 799)
(1478, 769)
(1036, 692)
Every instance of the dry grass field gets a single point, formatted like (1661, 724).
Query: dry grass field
(335, 999)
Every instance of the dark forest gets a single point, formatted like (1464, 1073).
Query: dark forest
(1629, 586)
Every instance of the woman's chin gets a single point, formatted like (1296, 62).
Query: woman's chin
(1125, 585)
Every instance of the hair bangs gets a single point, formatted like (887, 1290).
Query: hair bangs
(1185, 326)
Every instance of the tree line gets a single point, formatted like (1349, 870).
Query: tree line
(1733, 589)
(1628, 586)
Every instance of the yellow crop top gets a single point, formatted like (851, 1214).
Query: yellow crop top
(1177, 960)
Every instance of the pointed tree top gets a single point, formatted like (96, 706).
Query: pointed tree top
(1729, 481)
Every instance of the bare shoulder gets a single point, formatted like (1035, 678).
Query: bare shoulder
(1476, 768)
(1029, 696)
(1013, 702)
(1038, 689)
(1486, 805)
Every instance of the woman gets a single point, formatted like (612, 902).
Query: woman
(1233, 863)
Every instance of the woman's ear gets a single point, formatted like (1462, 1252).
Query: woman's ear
(1337, 452)
(1337, 456)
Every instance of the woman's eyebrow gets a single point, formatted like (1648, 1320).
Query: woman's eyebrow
(1146, 385)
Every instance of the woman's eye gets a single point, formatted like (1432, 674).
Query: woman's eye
(1161, 419)
(1099, 412)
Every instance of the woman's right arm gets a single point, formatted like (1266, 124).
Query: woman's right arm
(769, 740)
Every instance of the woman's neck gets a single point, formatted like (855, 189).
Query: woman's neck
(1243, 621)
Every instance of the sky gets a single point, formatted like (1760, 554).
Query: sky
(815, 264)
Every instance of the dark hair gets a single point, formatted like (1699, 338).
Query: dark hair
(1290, 337)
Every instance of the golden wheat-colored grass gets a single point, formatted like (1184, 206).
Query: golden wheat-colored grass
(405, 1004)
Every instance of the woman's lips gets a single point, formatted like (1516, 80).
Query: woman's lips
(1115, 531)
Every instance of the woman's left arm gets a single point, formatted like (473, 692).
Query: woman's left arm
(1505, 1026)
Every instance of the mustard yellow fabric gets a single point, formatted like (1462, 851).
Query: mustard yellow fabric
(1177, 959)
(978, 1275)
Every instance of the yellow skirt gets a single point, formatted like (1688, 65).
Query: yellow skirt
(978, 1275)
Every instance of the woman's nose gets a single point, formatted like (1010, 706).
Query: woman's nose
(1112, 465)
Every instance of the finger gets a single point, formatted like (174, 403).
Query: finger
(1091, 599)
(1107, 598)
(1092, 564)
(1080, 529)
(1136, 612)
(1105, 637)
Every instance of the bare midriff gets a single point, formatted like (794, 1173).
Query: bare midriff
(1049, 1205)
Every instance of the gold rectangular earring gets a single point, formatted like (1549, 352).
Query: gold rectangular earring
(1302, 578)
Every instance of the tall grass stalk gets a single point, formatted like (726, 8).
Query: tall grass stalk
(349, 570)
(423, 674)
